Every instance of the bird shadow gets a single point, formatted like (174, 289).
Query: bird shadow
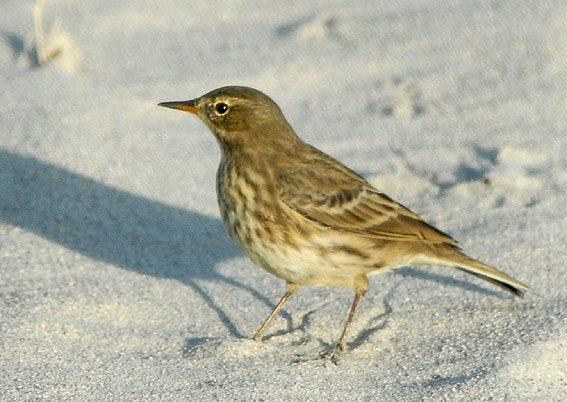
(378, 322)
(301, 327)
(326, 353)
(117, 227)
(437, 278)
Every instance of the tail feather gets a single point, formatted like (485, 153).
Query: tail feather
(455, 258)
(515, 289)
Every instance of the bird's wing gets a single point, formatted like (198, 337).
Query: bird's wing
(338, 198)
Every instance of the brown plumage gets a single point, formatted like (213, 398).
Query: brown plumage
(305, 217)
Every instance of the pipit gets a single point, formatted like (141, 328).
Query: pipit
(305, 217)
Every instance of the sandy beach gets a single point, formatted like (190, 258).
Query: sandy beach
(118, 280)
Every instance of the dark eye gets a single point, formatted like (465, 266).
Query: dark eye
(221, 108)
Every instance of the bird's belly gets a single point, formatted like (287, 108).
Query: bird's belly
(322, 259)
(316, 258)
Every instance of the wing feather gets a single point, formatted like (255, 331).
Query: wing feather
(338, 198)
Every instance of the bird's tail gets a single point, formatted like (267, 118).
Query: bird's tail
(453, 257)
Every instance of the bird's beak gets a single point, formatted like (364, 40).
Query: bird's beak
(187, 106)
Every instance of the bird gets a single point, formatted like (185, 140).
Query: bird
(306, 218)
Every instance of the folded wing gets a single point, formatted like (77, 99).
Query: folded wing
(340, 199)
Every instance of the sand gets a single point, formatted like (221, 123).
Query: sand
(117, 279)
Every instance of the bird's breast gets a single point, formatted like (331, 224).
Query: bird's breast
(249, 206)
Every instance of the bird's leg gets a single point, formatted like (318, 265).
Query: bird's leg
(291, 288)
(341, 345)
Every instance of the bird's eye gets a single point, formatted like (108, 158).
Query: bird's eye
(221, 108)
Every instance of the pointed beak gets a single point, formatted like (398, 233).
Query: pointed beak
(187, 106)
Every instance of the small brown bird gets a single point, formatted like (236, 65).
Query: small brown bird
(305, 217)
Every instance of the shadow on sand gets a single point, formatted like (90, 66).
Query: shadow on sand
(116, 227)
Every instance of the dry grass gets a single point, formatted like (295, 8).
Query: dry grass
(57, 46)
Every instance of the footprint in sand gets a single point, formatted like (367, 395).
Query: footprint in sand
(325, 26)
(517, 175)
(397, 98)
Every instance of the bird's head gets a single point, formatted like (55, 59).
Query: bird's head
(238, 115)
